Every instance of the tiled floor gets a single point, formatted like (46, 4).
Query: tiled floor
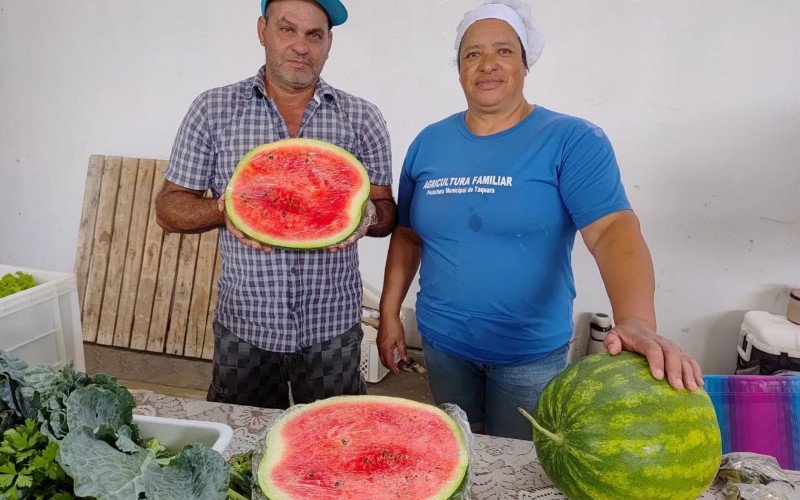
(189, 378)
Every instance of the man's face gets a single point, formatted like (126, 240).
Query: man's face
(492, 73)
(296, 41)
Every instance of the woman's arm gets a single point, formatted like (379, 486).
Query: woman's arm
(618, 247)
(402, 263)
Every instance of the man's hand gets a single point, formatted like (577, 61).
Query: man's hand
(243, 238)
(391, 336)
(636, 335)
(370, 218)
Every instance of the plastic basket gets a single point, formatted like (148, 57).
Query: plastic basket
(175, 433)
(759, 414)
(42, 324)
(370, 365)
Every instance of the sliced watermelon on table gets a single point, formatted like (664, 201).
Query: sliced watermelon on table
(298, 193)
(364, 447)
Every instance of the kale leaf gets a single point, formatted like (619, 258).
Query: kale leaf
(102, 471)
(13, 408)
(80, 432)
(48, 390)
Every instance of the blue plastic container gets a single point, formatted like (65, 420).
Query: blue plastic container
(759, 414)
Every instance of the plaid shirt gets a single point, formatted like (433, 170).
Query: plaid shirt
(284, 300)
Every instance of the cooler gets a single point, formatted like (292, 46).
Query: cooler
(768, 344)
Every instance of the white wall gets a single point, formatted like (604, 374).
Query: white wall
(699, 98)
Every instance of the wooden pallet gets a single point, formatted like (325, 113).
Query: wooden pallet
(139, 287)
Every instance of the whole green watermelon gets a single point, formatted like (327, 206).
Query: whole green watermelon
(605, 428)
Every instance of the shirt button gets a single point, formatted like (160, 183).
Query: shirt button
(295, 271)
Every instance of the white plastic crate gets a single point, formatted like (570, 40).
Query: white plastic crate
(43, 324)
(370, 366)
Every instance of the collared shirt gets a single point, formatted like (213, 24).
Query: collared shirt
(284, 300)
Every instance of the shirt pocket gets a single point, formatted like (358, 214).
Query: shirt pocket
(332, 126)
(243, 133)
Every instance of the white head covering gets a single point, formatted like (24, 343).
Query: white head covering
(518, 15)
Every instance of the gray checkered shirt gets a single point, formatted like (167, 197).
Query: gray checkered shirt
(284, 300)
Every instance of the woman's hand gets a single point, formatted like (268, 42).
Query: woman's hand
(243, 238)
(391, 336)
(633, 334)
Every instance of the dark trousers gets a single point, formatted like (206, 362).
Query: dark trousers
(246, 375)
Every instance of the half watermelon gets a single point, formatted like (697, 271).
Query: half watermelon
(604, 428)
(298, 193)
(364, 447)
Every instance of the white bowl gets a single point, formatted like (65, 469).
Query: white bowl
(174, 433)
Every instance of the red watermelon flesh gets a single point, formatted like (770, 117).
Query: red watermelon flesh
(368, 447)
(298, 193)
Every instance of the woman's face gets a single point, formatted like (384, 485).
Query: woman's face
(491, 72)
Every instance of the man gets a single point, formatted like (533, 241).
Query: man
(285, 320)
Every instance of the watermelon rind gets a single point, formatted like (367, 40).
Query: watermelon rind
(605, 428)
(273, 449)
(355, 211)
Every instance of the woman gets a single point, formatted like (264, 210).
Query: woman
(489, 203)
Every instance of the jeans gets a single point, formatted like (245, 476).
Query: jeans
(490, 394)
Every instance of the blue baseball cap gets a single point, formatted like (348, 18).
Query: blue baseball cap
(334, 8)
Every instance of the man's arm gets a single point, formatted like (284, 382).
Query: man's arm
(618, 247)
(376, 154)
(385, 210)
(182, 210)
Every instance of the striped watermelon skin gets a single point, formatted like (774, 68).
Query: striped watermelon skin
(625, 434)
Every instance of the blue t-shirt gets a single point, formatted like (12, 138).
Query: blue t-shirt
(497, 216)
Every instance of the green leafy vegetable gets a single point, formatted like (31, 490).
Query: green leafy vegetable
(17, 282)
(49, 390)
(233, 495)
(80, 430)
(13, 409)
(28, 467)
(197, 472)
(102, 471)
(94, 405)
(241, 479)
(163, 455)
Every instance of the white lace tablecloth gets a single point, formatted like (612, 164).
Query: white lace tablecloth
(503, 468)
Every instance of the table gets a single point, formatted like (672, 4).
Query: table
(503, 468)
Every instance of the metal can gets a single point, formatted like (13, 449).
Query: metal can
(598, 329)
